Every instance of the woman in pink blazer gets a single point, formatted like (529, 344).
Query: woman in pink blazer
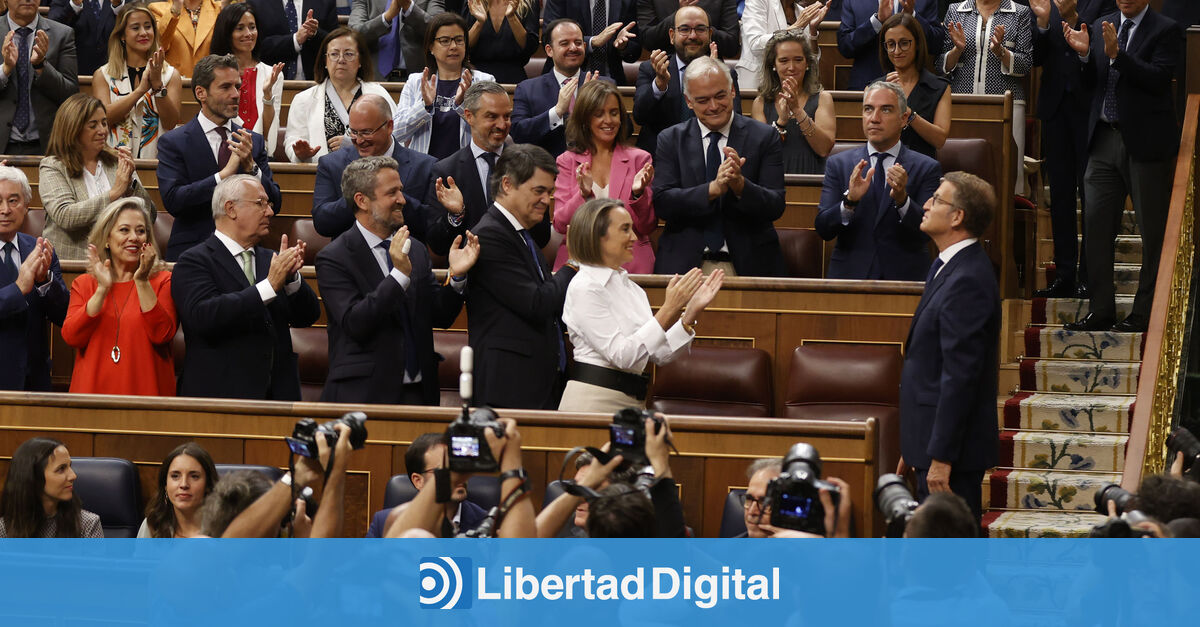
(599, 163)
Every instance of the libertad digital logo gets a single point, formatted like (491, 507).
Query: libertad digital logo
(442, 581)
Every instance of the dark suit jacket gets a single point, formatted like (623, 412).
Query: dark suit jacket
(877, 244)
(275, 44)
(91, 32)
(656, 17)
(237, 346)
(624, 11)
(469, 518)
(948, 387)
(366, 327)
(511, 317)
(23, 319)
(58, 80)
(186, 166)
(858, 40)
(1185, 12)
(439, 232)
(655, 114)
(331, 215)
(1145, 102)
(1061, 80)
(532, 102)
(681, 199)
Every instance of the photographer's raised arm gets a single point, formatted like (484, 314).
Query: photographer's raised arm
(423, 511)
(262, 518)
(555, 514)
(330, 516)
(664, 494)
(519, 521)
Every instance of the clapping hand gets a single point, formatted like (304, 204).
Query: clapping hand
(731, 171)
(1111, 45)
(304, 151)
(660, 61)
(510, 8)
(642, 179)
(1068, 9)
(124, 178)
(897, 179)
(478, 10)
(428, 87)
(884, 11)
(680, 290)
(102, 271)
(908, 6)
(308, 28)
(600, 39)
(996, 44)
(285, 263)
(860, 181)
(241, 149)
(623, 36)
(400, 259)
(1041, 10)
(957, 36)
(463, 259)
(41, 43)
(35, 268)
(10, 53)
(463, 85)
(146, 260)
(704, 295)
(449, 195)
(583, 177)
(270, 86)
(564, 95)
(1078, 40)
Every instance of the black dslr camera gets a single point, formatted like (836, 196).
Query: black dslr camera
(1182, 441)
(895, 502)
(1123, 525)
(467, 442)
(794, 496)
(305, 434)
(627, 435)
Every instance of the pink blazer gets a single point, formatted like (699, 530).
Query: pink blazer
(626, 163)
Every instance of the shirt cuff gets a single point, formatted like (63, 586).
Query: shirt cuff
(45, 287)
(296, 42)
(265, 291)
(400, 278)
(118, 7)
(293, 285)
(902, 210)
(385, 20)
(3, 77)
(217, 177)
(658, 94)
(1083, 57)
(847, 213)
(555, 120)
(677, 336)
(875, 23)
(458, 284)
(1006, 67)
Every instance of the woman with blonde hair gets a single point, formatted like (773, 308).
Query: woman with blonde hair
(121, 319)
(791, 99)
(140, 90)
(80, 175)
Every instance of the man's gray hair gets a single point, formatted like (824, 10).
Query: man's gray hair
(382, 105)
(477, 90)
(702, 66)
(226, 191)
(901, 99)
(9, 173)
(359, 177)
(759, 465)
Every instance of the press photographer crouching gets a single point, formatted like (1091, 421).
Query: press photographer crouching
(798, 503)
(942, 515)
(1163, 507)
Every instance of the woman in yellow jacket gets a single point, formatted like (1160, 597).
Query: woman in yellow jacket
(185, 30)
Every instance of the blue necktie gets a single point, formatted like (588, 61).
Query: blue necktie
(293, 20)
(537, 262)
(596, 59)
(933, 270)
(21, 117)
(412, 363)
(490, 158)
(391, 57)
(8, 264)
(714, 234)
(94, 7)
(1110, 87)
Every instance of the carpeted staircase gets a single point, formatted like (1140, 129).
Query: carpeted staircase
(1064, 431)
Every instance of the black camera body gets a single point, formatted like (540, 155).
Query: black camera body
(1183, 441)
(304, 435)
(794, 496)
(627, 435)
(1112, 492)
(467, 442)
(896, 503)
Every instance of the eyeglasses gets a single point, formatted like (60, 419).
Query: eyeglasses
(349, 56)
(360, 134)
(687, 31)
(751, 503)
(902, 45)
(258, 202)
(446, 41)
(937, 199)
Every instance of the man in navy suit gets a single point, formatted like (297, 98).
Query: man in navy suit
(187, 173)
(383, 302)
(237, 302)
(610, 37)
(858, 35)
(32, 292)
(1062, 98)
(370, 133)
(515, 303)
(872, 197)
(718, 184)
(291, 31)
(948, 430)
(426, 454)
(93, 22)
(1129, 58)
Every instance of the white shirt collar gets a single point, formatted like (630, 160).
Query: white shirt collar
(599, 274)
(560, 77)
(516, 224)
(372, 239)
(208, 125)
(894, 151)
(724, 130)
(948, 254)
(13, 26)
(476, 151)
(1137, 19)
(233, 247)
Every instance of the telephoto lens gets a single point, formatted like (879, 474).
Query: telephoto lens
(895, 502)
(1115, 493)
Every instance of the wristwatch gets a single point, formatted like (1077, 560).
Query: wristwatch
(846, 200)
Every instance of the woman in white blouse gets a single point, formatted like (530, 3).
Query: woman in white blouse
(319, 115)
(608, 317)
(764, 18)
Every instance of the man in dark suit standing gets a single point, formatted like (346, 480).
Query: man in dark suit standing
(291, 31)
(370, 131)
(609, 33)
(872, 197)
(515, 303)
(658, 101)
(1062, 99)
(32, 292)
(187, 173)
(93, 22)
(237, 302)
(858, 35)
(948, 431)
(1129, 57)
(395, 31)
(39, 72)
(719, 209)
(656, 17)
(383, 302)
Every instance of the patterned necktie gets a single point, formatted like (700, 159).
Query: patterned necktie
(223, 150)
(933, 270)
(293, 20)
(537, 262)
(714, 235)
(24, 69)
(490, 158)
(248, 264)
(94, 7)
(412, 362)
(1110, 87)
(8, 264)
(571, 104)
(595, 60)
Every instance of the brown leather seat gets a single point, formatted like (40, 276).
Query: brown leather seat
(312, 348)
(831, 381)
(163, 222)
(803, 251)
(303, 229)
(714, 381)
(449, 344)
(35, 221)
(970, 154)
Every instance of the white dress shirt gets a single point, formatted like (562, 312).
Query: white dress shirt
(214, 139)
(96, 184)
(705, 139)
(264, 286)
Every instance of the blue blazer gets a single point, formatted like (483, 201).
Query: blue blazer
(366, 328)
(237, 346)
(1061, 81)
(681, 199)
(857, 39)
(23, 319)
(951, 361)
(624, 11)
(186, 167)
(332, 216)
(532, 102)
(91, 32)
(877, 244)
(469, 518)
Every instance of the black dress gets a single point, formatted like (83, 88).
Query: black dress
(924, 101)
(798, 156)
(498, 53)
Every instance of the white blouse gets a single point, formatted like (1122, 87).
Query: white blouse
(610, 322)
(97, 184)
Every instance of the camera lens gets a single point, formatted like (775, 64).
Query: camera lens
(1116, 494)
(802, 459)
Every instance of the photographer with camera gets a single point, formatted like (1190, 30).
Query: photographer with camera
(940, 515)
(425, 456)
(1161, 500)
(798, 503)
(591, 473)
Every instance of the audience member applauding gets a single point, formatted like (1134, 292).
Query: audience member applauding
(139, 89)
(92, 21)
(238, 301)
(654, 18)
(187, 173)
(382, 298)
(611, 325)
(318, 116)
(39, 498)
(261, 95)
(601, 164)
(32, 291)
(862, 22)
(502, 35)
(121, 320)
(395, 30)
(185, 478)
(791, 98)
(430, 116)
(609, 30)
(38, 74)
(719, 212)
(186, 28)
(766, 19)
(292, 33)
(904, 55)
(81, 175)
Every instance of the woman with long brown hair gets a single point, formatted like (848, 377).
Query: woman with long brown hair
(39, 499)
(791, 99)
(187, 476)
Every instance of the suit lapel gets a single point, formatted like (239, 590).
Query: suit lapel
(233, 266)
(693, 145)
(468, 180)
(1144, 31)
(200, 143)
(620, 175)
(538, 273)
(931, 289)
(364, 258)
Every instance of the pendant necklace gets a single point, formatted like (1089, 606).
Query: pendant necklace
(116, 349)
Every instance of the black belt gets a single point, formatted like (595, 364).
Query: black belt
(719, 255)
(619, 380)
(31, 142)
